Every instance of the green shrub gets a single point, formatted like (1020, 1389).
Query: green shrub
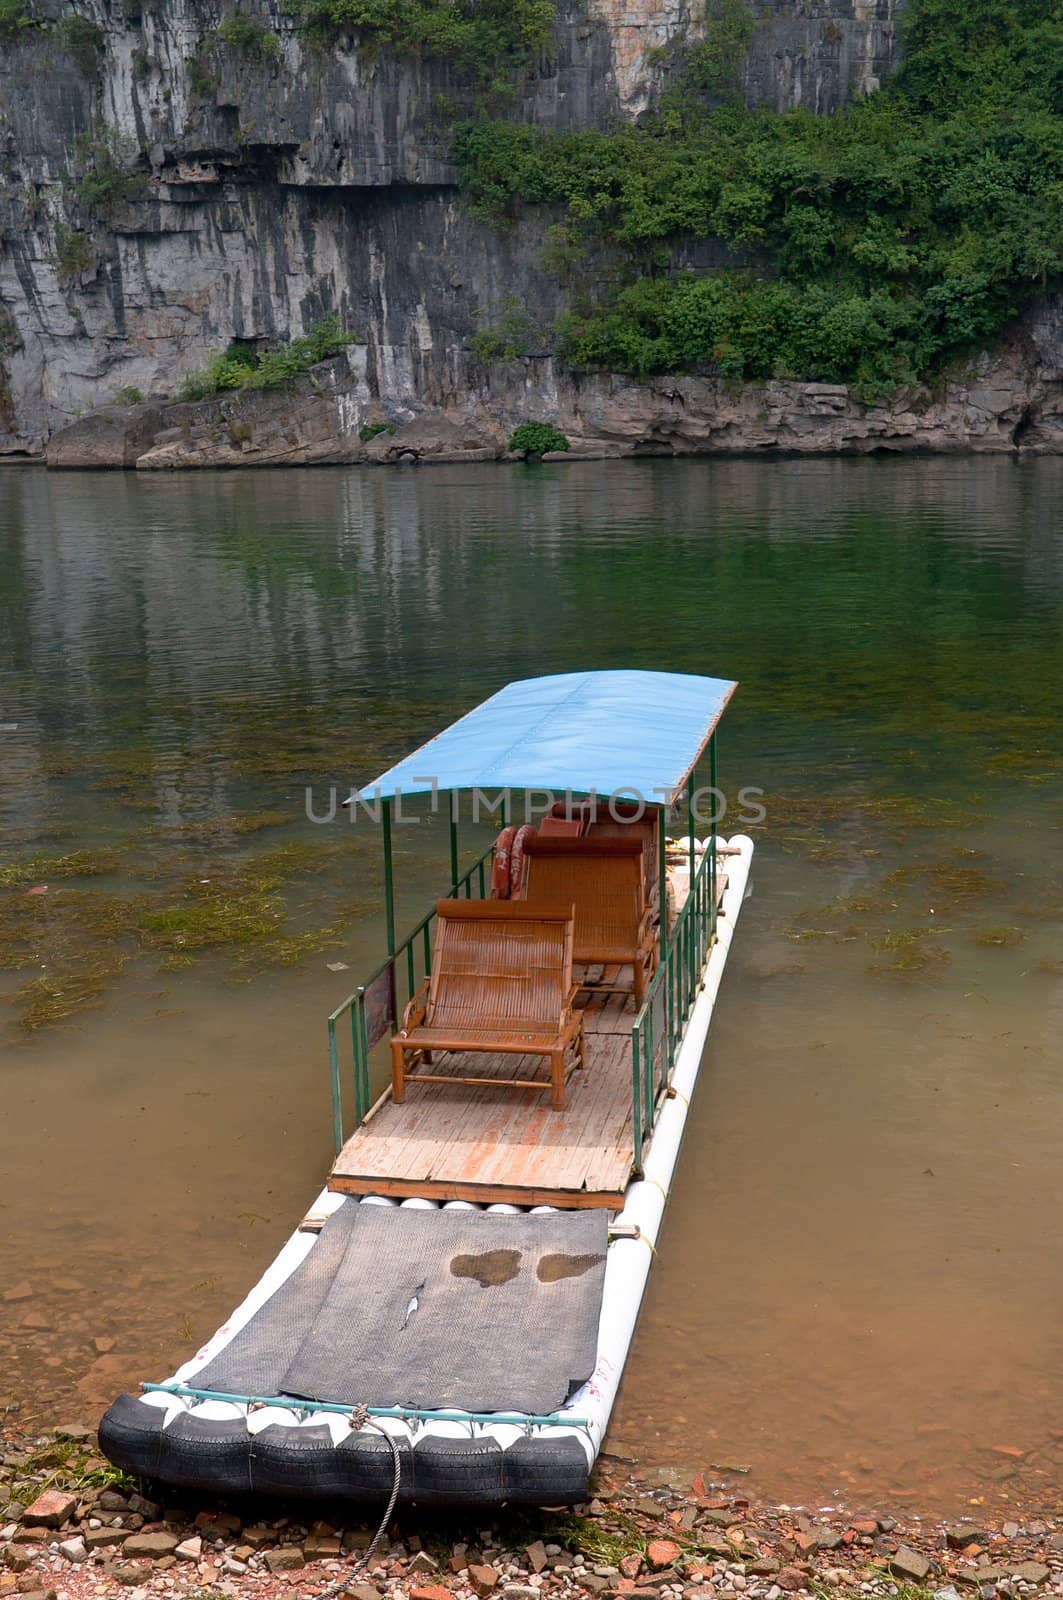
(887, 238)
(536, 438)
(372, 429)
(202, 79)
(242, 367)
(82, 40)
(485, 37)
(129, 395)
(105, 177)
(713, 67)
(249, 35)
(511, 339)
(73, 251)
(15, 18)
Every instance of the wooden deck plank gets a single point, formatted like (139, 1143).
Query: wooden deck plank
(560, 1143)
(453, 1142)
(550, 1145)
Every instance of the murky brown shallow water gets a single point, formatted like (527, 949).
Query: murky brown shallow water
(858, 1285)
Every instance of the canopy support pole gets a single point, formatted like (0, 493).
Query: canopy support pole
(389, 882)
(453, 842)
(712, 835)
(692, 943)
(662, 877)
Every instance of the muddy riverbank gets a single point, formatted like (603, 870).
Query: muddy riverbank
(75, 1529)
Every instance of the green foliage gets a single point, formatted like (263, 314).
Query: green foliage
(73, 251)
(512, 338)
(202, 79)
(536, 438)
(81, 39)
(886, 238)
(249, 35)
(485, 37)
(242, 367)
(713, 67)
(745, 328)
(371, 430)
(562, 252)
(15, 18)
(105, 177)
(129, 395)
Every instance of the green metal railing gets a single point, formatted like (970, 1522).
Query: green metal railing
(374, 1009)
(659, 1027)
(377, 1004)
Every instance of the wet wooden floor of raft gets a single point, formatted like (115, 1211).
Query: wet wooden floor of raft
(461, 1142)
(491, 1145)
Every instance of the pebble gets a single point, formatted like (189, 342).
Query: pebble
(50, 1509)
(482, 1578)
(662, 1553)
(909, 1563)
(289, 1558)
(151, 1544)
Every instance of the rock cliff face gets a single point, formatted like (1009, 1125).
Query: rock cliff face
(1010, 401)
(271, 190)
(275, 189)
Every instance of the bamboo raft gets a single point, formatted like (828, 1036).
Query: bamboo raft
(383, 1349)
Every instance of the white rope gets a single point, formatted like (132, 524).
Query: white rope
(361, 1419)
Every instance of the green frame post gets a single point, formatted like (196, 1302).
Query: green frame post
(662, 875)
(692, 942)
(453, 842)
(337, 1099)
(713, 770)
(389, 881)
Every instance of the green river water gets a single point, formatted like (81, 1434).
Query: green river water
(858, 1288)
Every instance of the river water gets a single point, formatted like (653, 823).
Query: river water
(858, 1287)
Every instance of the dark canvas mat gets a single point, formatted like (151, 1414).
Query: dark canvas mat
(436, 1309)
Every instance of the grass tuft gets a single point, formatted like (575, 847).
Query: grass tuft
(912, 952)
(1001, 936)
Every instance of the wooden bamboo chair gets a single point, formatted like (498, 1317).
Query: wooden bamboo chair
(597, 821)
(604, 879)
(501, 982)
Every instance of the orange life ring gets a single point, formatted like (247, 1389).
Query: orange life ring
(501, 867)
(516, 859)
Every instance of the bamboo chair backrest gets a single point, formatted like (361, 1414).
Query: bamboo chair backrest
(629, 822)
(500, 965)
(603, 878)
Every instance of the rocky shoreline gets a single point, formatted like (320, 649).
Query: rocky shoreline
(1008, 400)
(73, 1528)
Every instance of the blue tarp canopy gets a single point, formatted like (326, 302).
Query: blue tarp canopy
(636, 733)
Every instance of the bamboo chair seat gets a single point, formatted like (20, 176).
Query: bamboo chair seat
(605, 881)
(501, 981)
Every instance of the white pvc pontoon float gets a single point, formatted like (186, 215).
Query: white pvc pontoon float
(298, 1394)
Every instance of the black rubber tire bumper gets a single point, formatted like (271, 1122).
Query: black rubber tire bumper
(222, 1457)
